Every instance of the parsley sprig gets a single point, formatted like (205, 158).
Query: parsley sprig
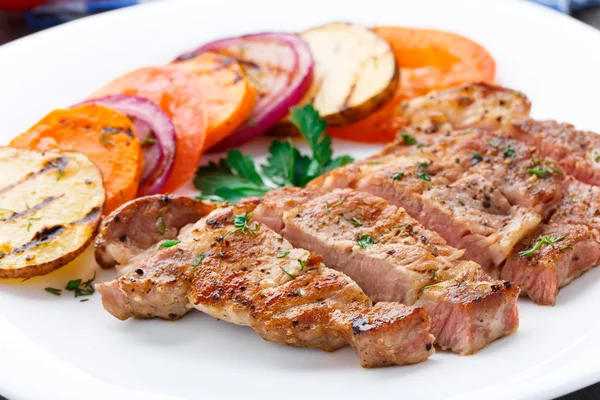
(236, 176)
(241, 223)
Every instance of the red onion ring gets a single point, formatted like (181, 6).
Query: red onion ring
(156, 132)
(280, 65)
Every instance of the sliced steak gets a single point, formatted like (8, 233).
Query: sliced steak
(550, 258)
(235, 269)
(139, 224)
(254, 277)
(275, 203)
(580, 205)
(576, 151)
(473, 105)
(393, 258)
(466, 316)
(471, 214)
(156, 282)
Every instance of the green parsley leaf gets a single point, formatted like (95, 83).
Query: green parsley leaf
(287, 273)
(365, 241)
(509, 151)
(281, 164)
(355, 221)
(408, 139)
(424, 176)
(544, 240)
(198, 260)
(169, 243)
(161, 224)
(543, 172)
(307, 120)
(54, 291)
(398, 175)
(241, 224)
(283, 253)
(302, 264)
(72, 285)
(477, 158)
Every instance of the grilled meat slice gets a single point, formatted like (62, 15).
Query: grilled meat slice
(550, 258)
(576, 151)
(139, 224)
(517, 170)
(155, 286)
(155, 283)
(473, 105)
(511, 166)
(466, 316)
(276, 202)
(389, 254)
(252, 276)
(393, 258)
(580, 205)
(471, 214)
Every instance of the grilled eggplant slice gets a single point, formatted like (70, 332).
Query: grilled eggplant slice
(51, 204)
(355, 72)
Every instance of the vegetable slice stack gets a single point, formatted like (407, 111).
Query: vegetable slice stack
(177, 92)
(104, 135)
(279, 66)
(157, 134)
(227, 92)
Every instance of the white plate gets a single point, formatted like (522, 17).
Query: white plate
(58, 348)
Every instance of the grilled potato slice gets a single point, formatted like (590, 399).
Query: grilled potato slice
(51, 204)
(355, 71)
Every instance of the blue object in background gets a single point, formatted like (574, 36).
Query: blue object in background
(56, 12)
(567, 6)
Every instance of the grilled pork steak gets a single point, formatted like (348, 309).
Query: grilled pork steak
(235, 269)
(393, 258)
(576, 151)
(465, 209)
(550, 258)
(140, 224)
(473, 105)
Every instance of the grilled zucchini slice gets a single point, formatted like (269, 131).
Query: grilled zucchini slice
(51, 204)
(355, 71)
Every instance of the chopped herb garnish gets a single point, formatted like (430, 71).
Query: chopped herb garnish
(104, 136)
(338, 203)
(565, 246)
(509, 151)
(283, 253)
(327, 209)
(597, 158)
(81, 288)
(355, 221)
(150, 141)
(398, 175)
(161, 226)
(6, 210)
(543, 172)
(477, 158)
(60, 169)
(169, 243)
(54, 291)
(302, 264)
(408, 139)
(198, 260)
(422, 164)
(457, 160)
(241, 224)
(365, 241)
(494, 144)
(83, 300)
(433, 274)
(544, 240)
(287, 273)
(424, 176)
